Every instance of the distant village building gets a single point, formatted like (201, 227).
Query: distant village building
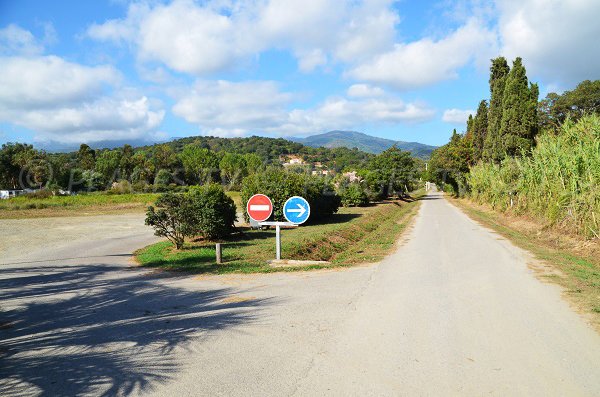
(292, 160)
(352, 177)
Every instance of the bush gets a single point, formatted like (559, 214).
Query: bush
(204, 210)
(353, 195)
(280, 185)
(214, 211)
(40, 194)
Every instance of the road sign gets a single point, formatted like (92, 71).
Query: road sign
(296, 210)
(259, 207)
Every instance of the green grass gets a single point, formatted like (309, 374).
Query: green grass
(354, 235)
(580, 274)
(94, 203)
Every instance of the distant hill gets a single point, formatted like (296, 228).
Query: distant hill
(364, 142)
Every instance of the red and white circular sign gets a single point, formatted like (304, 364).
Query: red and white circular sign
(259, 207)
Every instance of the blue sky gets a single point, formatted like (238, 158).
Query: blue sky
(118, 72)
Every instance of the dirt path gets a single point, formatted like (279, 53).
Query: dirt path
(455, 311)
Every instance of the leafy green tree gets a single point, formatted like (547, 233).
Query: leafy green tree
(107, 164)
(163, 157)
(518, 126)
(126, 163)
(555, 109)
(12, 156)
(86, 157)
(254, 163)
(391, 171)
(200, 164)
(233, 169)
(499, 71)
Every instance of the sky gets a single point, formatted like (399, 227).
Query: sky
(113, 72)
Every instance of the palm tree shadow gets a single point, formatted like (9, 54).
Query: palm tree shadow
(99, 335)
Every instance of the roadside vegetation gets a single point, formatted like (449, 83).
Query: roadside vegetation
(353, 235)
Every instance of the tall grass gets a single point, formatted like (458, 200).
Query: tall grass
(559, 182)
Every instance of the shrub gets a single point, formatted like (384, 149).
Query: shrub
(214, 211)
(353, 195)
(172, 218)
(204, 210)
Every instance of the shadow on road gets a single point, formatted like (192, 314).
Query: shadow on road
(78, 332)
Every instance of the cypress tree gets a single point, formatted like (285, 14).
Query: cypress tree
(493, 148)
(518, 126)
(480, 126)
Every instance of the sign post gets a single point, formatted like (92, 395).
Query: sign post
(296, 210)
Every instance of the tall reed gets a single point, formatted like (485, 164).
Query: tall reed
(559, 182)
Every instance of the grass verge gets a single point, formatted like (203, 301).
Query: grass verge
(353, 235)
(577, 261)
(84, 204)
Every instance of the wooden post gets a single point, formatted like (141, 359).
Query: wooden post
(219, 253)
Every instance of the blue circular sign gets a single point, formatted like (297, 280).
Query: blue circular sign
(296, 210)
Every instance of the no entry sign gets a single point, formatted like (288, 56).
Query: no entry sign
(259, 207)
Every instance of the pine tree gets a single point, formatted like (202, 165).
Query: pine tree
(480, 126)
(518, 126)
(493, 148)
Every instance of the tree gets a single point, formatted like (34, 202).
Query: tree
(391, 171)
(518, 126)
(254, 163)
(493, 144)
(126, 164)
(233, 169)
(10, 167)
(200, 164)
(107, 164)
(555, 109)
(86, 157)
(480, 125)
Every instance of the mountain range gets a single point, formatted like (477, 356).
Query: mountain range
(364, 142)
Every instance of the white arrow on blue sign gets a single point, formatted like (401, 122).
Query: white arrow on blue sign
(296, 210)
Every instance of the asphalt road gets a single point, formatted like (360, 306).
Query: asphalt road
(454, 311)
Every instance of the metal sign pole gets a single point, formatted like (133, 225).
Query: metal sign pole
(278, 241)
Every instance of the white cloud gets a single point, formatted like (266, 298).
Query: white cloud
(426, 61)
(233, 106)
(17, 41)
(66, 102)
(45, 81)
(106, 119)
(233, 109)
(217, 35)
(364, 91)
(457, 116)
(558, 40)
